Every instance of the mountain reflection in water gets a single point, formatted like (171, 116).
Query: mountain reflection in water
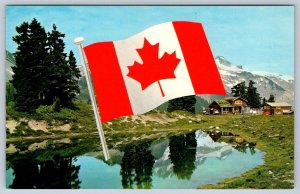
(181, 161)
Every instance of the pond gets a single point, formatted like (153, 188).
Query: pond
(178, 161)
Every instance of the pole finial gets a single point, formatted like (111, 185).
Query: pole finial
(79, 40)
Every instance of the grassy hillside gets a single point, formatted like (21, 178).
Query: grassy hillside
(272, 134)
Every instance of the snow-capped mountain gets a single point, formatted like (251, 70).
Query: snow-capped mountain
(281, 86)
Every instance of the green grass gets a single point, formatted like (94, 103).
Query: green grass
(81, 119)
(273, 135)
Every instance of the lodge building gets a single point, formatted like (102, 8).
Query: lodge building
(275, 108)
(230, 105)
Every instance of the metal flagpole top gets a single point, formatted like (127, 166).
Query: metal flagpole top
(79, 40)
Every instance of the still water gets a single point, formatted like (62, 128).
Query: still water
(181, 161)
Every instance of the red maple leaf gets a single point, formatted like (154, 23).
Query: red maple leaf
(153, 68)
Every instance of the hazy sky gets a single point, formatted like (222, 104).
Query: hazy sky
(259, 38)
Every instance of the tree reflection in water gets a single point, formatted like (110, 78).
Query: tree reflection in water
(183, 155)
(136, 167)
(59, 173)
(243, 149)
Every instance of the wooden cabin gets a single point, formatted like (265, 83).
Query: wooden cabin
(231, 105)
(277, 108)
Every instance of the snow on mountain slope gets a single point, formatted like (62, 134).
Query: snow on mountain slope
(281, 86)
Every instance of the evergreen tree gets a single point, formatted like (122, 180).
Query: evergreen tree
(253, 96)
(73, 75)
(56, 68)
(264, 101)
(62, 85)
(184, 103)
(43, 74)
(10, 92)
(239, 90)
(30, 62)
(271, 98)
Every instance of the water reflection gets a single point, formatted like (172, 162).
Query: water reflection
(183, 155)
(136, 166)
(244, 147)
(180, 161)
(53, 174)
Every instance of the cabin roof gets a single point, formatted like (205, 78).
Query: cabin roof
(278, 104)
(231, 99)
(227, 102)
(223, 103)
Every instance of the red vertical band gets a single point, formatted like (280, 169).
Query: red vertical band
(109, 85)
(200, 62)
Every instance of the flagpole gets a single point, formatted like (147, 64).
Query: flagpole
(78, 41)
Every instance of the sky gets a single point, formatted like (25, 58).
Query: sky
(260, 38)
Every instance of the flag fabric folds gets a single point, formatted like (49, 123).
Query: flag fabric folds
(137, 74)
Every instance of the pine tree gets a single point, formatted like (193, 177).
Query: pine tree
(253, 96)
(56, 68)
(184, 103)
(43, 75)
(10, 92)
(239, 90)
(29, 69)
(63, 73)
(264, 101)
(271, 98)
(73, 75)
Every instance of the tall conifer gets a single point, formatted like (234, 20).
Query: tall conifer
(30, 62)
(62, 71)
(43, 74)
(253, 96)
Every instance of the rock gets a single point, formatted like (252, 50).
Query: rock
(270, 172)
(63, 141)
(224, 133)
(276, 135)
(190, 121)
(38, 125)
(217, 127)
(11, 149)
(11, 125)
(211, 127)
(36, 146)
(65, 127)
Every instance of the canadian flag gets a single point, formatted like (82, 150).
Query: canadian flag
(137, 74)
